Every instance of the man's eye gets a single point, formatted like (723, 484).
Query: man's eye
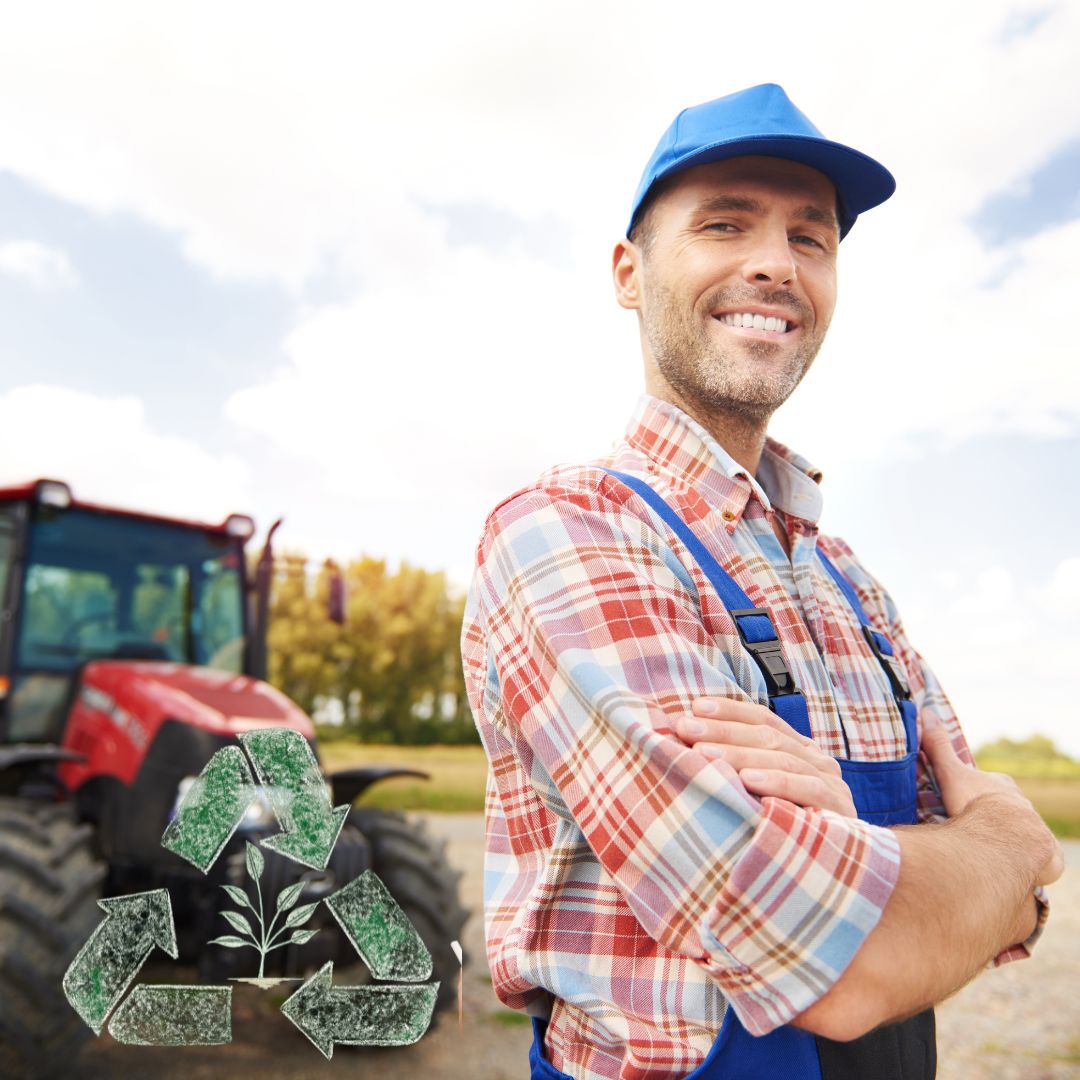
(721, 226)
(809, 240)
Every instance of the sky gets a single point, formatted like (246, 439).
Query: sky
(349, 264)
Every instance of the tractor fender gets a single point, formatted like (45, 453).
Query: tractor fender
(35, 753)
(348, 784)
(29, 769)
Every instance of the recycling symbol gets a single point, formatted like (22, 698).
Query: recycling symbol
(394, 1013)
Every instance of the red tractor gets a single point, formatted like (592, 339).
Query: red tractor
(132, 648)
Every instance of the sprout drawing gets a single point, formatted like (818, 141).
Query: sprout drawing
(286, 900)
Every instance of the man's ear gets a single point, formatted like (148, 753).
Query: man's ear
(626, 263)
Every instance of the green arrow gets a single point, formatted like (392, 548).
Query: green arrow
(297, 793)
(174, 1016)
(111, 958)
(360, 1015)
(212, 809)
(379, 930)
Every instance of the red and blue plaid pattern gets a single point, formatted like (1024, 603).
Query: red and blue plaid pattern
(632, 880)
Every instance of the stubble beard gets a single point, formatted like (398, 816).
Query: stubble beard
(717, 379)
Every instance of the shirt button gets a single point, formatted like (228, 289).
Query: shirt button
(729, 515)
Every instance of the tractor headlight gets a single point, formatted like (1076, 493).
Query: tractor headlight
(181, 793)
(258, 815)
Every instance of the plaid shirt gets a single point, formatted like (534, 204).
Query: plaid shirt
(632, 880)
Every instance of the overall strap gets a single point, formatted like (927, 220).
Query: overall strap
(882, 648)
(755, 625)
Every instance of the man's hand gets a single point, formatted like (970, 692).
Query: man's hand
(770, 756)
(961, 784)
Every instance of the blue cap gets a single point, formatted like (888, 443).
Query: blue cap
(762, 120)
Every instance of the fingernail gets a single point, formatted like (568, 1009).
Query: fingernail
(753, 776)
(706, 707)
(692, 727)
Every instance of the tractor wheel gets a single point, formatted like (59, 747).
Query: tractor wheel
(414, 869)
(50, 880)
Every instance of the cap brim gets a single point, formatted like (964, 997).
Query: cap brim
(861, 182)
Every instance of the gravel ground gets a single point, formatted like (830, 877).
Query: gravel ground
(1021, 1022)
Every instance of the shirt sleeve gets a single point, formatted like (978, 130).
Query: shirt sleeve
(934, 710)
(596, 634)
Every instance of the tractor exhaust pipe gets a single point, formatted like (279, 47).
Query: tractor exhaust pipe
(264, 576)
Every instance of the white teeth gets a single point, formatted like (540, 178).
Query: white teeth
(755, 322)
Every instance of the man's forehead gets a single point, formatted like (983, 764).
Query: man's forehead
(756, 178)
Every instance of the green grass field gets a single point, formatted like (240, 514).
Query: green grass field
(1053, 786)
(1057, 800)
(458, 775)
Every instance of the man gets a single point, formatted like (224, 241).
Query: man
(687, 693)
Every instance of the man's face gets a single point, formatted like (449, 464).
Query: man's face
(735, 285)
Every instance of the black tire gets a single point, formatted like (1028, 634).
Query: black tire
(413, 867)
(50, 881)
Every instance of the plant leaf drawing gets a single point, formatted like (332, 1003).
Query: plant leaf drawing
(264, 941)
(238, 922)
(289, 896)
(231, 942)
(300, 915)
(254, 860)
(238, 896)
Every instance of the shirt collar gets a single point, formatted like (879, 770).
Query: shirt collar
(679, 444)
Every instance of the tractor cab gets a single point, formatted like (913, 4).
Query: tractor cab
(81, 583)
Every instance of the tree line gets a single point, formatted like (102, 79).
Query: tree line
(387, 668)
(369, 651)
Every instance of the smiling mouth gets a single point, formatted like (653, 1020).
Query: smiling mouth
(746, 320)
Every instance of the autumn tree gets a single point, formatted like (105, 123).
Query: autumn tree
(393, 663)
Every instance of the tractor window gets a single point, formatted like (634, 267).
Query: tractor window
(220, 631)
(158, 605)
(100, 585)
(65, 611)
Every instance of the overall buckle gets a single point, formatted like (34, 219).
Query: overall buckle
(768, 655)
(897, 679)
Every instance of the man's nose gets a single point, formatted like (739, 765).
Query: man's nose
(769, 260)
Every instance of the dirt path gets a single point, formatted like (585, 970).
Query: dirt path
(1021, 1022)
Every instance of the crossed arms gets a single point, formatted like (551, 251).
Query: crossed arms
(964, 893)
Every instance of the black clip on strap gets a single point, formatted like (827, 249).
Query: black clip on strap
(897, 679)
(768, 655)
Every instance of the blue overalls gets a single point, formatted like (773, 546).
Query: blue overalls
(883, 793)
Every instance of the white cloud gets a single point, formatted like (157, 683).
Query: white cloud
(320, 139)
(448, 394)
(936, 354)
(1062, 598)
(107, 451)
(276, 144)
(266, 149)
(42, 266)
(1005, 653)
(437, 375)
